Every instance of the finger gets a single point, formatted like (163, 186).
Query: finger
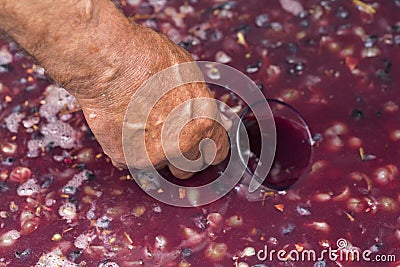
(119, 164)
(193, 154)
(220, 138)
(178, 173)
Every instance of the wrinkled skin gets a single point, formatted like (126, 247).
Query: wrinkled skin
(160, 56)
(92, 50)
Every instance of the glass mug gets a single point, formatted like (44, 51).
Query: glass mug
(294, 145)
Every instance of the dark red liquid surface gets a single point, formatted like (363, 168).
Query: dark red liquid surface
(293, 152)
(337, 64)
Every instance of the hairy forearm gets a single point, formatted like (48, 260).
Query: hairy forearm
(74, 40)
(91, 49)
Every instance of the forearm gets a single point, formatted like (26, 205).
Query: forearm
(91, 49)
(74, 40)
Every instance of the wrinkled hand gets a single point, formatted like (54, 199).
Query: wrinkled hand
(105, 112)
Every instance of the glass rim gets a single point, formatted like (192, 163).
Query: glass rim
(304, 124)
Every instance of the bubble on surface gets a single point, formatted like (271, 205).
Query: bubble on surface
(13, 121)
(28, 188)
(57, 99)
(75, 182)
(83, 241)
(67, 211)
(33, 146)
(222, 57)
(103, 222)
(58, 133)
(54, 258)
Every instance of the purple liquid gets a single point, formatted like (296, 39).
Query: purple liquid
(328, 93)
(293, 152)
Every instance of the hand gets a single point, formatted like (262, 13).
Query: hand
(107, 111)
